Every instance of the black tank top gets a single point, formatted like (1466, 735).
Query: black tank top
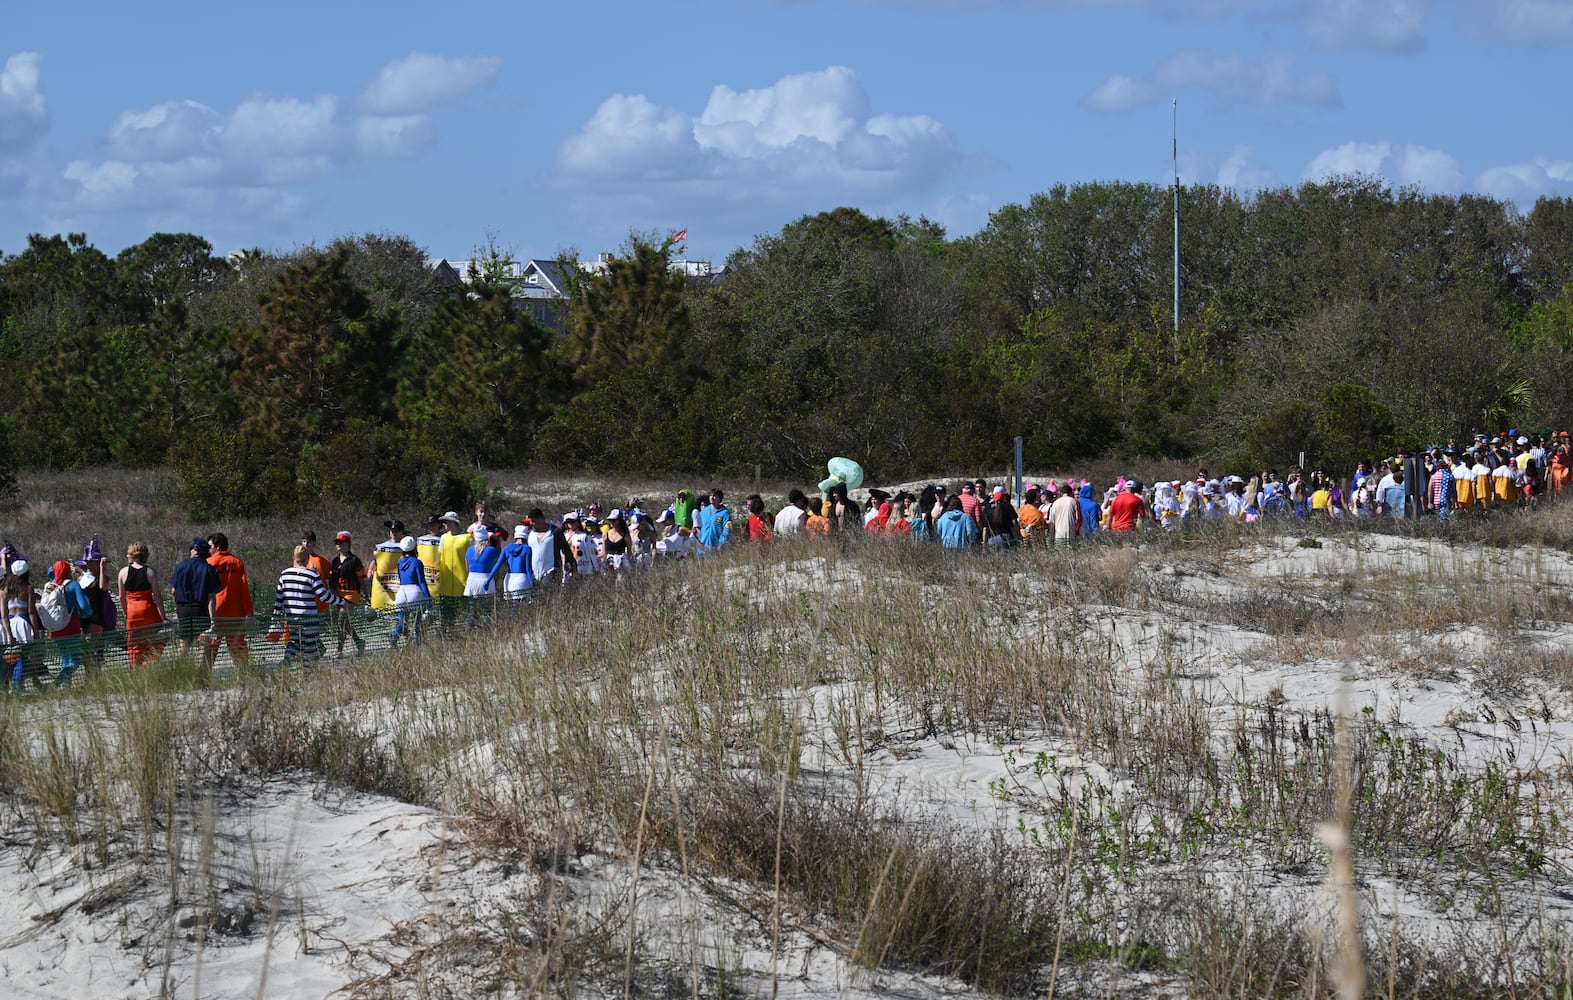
(136, 579)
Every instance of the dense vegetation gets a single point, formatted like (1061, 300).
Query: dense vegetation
(1337, 318)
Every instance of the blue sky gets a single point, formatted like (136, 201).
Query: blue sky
(548, 126)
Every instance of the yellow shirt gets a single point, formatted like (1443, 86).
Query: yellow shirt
(1320, 499)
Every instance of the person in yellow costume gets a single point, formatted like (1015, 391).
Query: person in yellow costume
(385, 567)
(455, 567)
(1464, 482)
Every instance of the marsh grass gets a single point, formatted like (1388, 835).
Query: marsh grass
(729, 718)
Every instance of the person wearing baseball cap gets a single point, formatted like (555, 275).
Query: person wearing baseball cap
(195, 586)
(347, 577)
(385, 566)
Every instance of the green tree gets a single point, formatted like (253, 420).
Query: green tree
(628, 313)
(319, 356)
(164, 269)
(485, 380)
(1351, 423)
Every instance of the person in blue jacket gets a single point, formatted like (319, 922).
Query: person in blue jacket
(955, 529)
(411, 596)
(715, 523)
(1090, 511)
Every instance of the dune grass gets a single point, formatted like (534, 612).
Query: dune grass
(734, 719)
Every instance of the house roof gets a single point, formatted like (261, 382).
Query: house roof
(543, 279)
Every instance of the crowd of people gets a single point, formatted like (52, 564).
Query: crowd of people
(442, 577)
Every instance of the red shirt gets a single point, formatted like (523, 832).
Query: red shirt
(759, 530)
(1125, 510)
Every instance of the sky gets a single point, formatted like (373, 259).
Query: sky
(550, 127)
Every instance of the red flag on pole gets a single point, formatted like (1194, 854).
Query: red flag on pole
(680, 235)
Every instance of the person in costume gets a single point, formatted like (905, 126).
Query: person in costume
(68, 640)
(518, 571)
(300, 592)
(483, 562)
(138, 585)
(347, 576)
(385, 566)
(455, 567)
(232, 606)
(194, 584)
(19, 637)
(715, 522)
(412, 595)
(617, 541)
(684, 508)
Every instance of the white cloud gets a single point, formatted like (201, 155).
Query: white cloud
(395, 135)
(1120, 93)
(24, 114)
(1399, 164)
(1231, 80)
(102, 185)
(629, 136)
(1241, 172)
(1533, 20)
(1522, 183)
(266, 127)
(164, 132)
(183, 164)
(807, 130)
(1373, 24)
(1271, 80)
(826, 107)
(421, 81)
(749, 156)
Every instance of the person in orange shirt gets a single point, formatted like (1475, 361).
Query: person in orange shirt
(1561, 467)
(232, 608)
(320, 564)
(816, 523)
(1030, 515)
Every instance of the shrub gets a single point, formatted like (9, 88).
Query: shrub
(378, 467)
(221, 474)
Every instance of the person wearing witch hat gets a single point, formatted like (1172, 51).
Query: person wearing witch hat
(103, 615)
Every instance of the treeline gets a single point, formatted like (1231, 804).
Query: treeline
(1340, 318)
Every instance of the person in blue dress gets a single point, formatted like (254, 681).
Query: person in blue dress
(518, 574)
(411, 596)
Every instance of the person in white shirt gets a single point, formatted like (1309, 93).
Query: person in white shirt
(790, 519)
(1065, 516)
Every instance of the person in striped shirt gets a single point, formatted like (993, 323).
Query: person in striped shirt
(300, 591)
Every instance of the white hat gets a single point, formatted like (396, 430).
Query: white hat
(1522, 439)
(521, 531)
(19, 568)
(481, 533)
(616, 513)
(453, 517)
(407, 543)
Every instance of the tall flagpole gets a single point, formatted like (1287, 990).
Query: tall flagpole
(1176, 230)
